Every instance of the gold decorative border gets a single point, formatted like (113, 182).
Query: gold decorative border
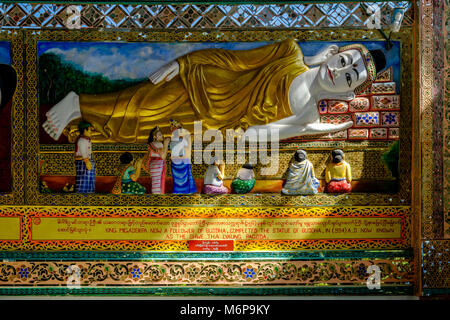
(426, 113)
(435, 261)
(29, 213)
(210, 273)
(446, 117)
(410, 137)
(15, 37)
(434, 255)
(177, 15)
(32, 138)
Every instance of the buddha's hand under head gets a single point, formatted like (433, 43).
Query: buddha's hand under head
(321, 56)
(330, 51)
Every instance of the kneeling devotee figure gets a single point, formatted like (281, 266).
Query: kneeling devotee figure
(245, 179)
(300, 179)
(338, 174)
(128, 176)
(270, 87)
(213, 181)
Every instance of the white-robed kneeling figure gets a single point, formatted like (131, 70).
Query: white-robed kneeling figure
(300, 179)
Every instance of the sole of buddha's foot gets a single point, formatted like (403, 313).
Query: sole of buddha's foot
(167, 72)
(60, 115)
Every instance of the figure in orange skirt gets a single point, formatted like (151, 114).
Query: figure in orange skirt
(338, 174)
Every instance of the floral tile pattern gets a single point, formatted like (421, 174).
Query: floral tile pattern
(367, 118)
(127, 273)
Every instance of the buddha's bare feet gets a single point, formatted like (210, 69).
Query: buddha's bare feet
(61, 114)
(167, 72)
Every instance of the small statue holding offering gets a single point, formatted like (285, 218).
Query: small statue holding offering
(338, 175)
(129, 174)
(300, 179)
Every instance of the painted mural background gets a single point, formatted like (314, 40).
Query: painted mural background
(100, 67)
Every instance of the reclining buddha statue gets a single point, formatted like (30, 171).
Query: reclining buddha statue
(270, 87)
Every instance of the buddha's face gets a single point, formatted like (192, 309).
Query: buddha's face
(342, 72)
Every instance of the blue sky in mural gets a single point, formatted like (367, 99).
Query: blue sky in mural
(128, 60)
(139, 60)
(5, 52)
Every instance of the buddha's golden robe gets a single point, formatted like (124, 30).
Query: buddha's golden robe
(223, 88)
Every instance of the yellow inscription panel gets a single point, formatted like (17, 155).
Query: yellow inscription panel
(216, 229)
(9, 228)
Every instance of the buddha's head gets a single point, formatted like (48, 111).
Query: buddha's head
(351, 71)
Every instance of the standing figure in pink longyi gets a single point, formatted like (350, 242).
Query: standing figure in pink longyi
(155, 162)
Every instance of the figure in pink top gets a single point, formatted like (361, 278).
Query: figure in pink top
(155, 162)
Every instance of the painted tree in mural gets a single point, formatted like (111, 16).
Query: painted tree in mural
(57, 77)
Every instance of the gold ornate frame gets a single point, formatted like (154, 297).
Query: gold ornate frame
(16, 197)
(419, 74)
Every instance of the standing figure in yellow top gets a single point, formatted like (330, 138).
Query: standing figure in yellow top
(270, 87)
(338, 174)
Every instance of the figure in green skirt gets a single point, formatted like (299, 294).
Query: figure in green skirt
(128, 175)
(245, 180)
